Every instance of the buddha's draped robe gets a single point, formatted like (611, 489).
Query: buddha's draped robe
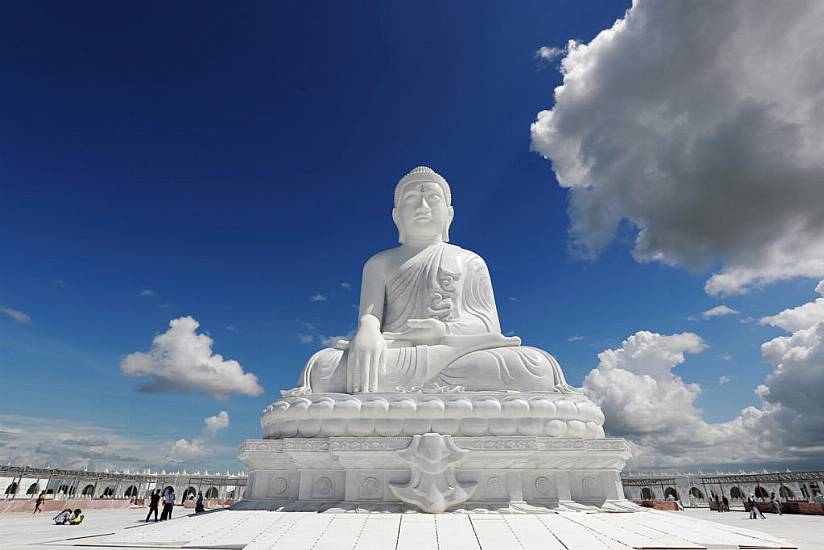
(447, 283)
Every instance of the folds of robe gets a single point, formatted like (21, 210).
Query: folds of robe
(447, 283)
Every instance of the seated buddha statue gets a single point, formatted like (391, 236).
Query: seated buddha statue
(427, 317)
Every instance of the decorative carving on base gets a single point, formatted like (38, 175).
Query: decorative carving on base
(433, 488)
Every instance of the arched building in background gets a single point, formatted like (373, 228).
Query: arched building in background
(699, 489)
(23, 482)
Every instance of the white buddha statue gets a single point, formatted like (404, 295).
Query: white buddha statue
(428, 319)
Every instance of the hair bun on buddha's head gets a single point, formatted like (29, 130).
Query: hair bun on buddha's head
(419, 175)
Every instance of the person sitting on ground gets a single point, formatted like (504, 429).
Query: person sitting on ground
(63, 517)
(76, 518)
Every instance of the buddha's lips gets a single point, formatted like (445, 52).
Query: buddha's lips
(423, 217)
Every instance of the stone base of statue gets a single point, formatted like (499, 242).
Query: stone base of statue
(434, 452)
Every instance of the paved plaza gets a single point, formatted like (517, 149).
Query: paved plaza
(331, 531)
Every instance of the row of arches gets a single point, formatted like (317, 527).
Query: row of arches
(735, 493)
(108, 491)
(64, 489)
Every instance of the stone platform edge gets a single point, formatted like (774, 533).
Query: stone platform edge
(374, 472)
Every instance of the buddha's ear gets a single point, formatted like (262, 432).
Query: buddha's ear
(397, 219)
(450, 215)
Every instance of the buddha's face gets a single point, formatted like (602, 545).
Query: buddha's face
(422, 212)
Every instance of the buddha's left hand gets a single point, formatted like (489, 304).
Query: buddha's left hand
(420, 332)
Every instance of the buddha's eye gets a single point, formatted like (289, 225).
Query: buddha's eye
(433, 197)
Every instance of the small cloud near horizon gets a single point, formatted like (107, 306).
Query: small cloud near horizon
(318, 298)
(16, 315)
(148, 292)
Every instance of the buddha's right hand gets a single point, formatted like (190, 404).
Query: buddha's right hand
(366, 356)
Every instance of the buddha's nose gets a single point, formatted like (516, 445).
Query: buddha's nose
(423, 205)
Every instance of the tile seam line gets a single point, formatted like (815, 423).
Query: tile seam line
(598, 534)
(511, 530)
(475, 532)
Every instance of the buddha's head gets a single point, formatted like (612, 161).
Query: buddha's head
(423, 206)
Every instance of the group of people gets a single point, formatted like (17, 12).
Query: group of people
(168, 498)
(752, 506)
(69, 517)
(755, 508)
(721, 504)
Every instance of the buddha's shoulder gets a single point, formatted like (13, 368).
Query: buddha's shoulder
(464, 254)
(383, 259)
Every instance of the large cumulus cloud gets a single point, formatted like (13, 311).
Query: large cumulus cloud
(180, 359)
(655, 408)
(701, 125)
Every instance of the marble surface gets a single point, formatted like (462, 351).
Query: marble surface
(469, 414)
(387, 531)
(429, 403)
(427, 318)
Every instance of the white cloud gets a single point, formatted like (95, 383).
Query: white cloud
(655, 409)
(26, 440)
(546, 53)
(346, 286)
(213, 424)
(703, 127)
(306, 338)
(717, 311)
(182, 360)
(727, 356)
(635, 387)
(330, 341)
(575, 338)
(318, 298)
(199, 447)
(800, 317)
(16, 315)
(58, 443)
(148, 292)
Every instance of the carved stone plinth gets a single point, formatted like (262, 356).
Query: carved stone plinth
(499, 413)
(434, 472)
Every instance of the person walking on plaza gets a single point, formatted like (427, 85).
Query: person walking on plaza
(38, 504)
(726, 504)
(718, 504)
(754, 509)
(776, 506)
(168, 504)
(199, 503)
(154, 501)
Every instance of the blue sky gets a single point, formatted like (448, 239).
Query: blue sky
(162, 160)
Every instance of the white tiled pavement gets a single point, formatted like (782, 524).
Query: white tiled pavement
(349, 531)
(258, 530)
